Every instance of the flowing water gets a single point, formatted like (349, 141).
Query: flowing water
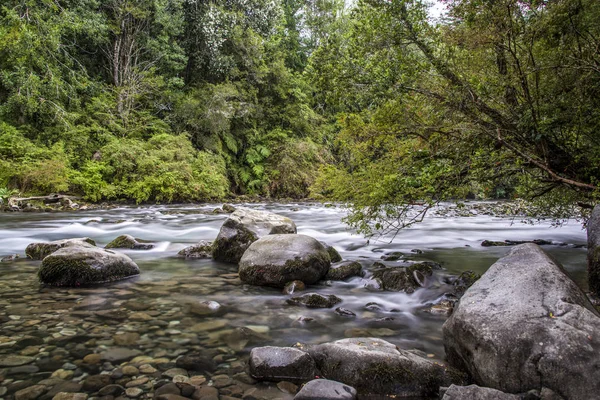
(151, 313)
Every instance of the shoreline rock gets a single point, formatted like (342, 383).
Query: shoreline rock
(524, 325)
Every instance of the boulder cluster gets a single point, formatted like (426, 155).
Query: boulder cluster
(523, 330)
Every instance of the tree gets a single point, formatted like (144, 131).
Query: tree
(504, 94)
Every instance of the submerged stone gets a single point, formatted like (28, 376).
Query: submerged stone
(315, 300)
(79, 265)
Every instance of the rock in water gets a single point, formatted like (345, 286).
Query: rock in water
(404, 279)
(129, 242)
(333, 253)
(275, 260)
(79, 265)
(37, 251)
(593, 236)
(243, 228)
(281, 363)
(344, 271)
(324, 389)
(202, 249)
(523, 325)
(474, 392)
(378, 367)
(315, 300)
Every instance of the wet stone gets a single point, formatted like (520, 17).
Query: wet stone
(31, 392)
(119, 354)
(14, 361)
(111, 390)
(70, 396)
(137, 382)
(96, 382)
(315, 300)
(134, 392)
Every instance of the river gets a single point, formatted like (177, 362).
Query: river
(154, 307)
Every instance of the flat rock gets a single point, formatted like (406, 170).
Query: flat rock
(525, 324)
(474, 392)
(315, 300)
(375, 366)
(119, 354)
(324, 389)
(14, 361)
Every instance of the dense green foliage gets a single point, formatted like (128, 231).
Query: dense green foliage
(378, 106)
(153, 100)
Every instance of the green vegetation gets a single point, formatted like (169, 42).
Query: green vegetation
(377, 106)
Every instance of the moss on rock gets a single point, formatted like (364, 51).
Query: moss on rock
(78, 266)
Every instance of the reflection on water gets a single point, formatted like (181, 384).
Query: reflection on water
(156, 310)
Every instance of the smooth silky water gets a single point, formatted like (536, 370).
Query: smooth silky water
(155, 305)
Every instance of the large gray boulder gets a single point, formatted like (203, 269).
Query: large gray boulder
(244, 227)
(593, 236)
(85, 265)
(523, 325)
(378, 367)
(37, 251)
(324, 389)
(271, 363)
(275, 260)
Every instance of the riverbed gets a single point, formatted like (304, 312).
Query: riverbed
(151, 314)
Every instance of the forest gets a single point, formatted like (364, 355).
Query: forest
(375, 103)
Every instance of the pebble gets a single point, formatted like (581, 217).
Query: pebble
(62, 374)
(147, 369)
(92, 359)
(14, 361)
(134, 392)
(31, 392)
(171, 373)
(130, 370)
(70, 396)
(137, 382)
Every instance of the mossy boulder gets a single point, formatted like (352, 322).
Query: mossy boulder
(374, 366)
(275, 260)
(202, 249)
(526, 325)
(37, 251)
(244, 227)
(85, 265)
(404, 279)
(315, 300)
(129, 242)
(344, 271)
